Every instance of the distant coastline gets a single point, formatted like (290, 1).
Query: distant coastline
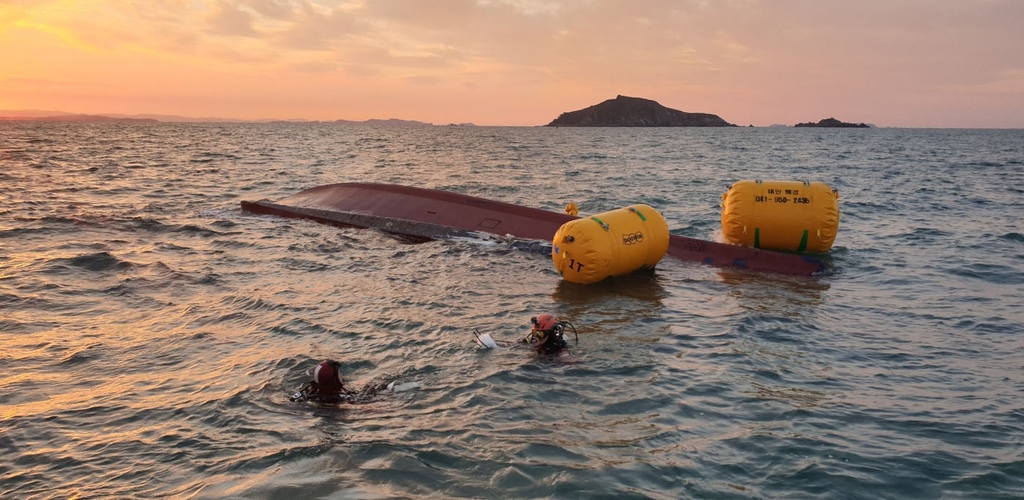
(622, 111)
(58, 116)
(76, 118)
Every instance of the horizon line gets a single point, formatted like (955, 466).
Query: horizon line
(36, 115)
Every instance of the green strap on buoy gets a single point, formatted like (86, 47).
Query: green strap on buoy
(631, 209)
(803, 242)
(801, 248)
(601, 222)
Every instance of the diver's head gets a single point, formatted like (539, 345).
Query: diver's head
(544, 323)
(547, 333)
(327, 375)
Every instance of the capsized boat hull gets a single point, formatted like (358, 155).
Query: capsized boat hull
(424, 214)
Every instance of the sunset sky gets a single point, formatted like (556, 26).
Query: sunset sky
(913, 63)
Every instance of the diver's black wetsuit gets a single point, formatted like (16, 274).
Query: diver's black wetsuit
(552, 343)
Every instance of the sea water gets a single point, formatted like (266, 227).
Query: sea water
(151, 332)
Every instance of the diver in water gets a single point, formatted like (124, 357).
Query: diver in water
(328, 386)
(547, 334)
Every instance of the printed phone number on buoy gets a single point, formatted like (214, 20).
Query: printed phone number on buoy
(781, 199)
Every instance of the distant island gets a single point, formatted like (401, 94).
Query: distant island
(635, 112)
(832, 122)
(388, 122)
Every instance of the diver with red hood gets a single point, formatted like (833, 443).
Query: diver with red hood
(547, 334)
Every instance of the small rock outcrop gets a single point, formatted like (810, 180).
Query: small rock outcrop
(635, 112)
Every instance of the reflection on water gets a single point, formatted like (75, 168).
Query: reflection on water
(777, 322)
(797, 396)
(766, 292)
(643, 288)
(618, 305)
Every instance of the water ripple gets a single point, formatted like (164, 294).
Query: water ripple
(151, 332)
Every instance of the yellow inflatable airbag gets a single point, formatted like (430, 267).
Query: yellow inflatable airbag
(614, 243)
(781, 215)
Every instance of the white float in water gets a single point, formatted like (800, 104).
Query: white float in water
(484, 340)
(407, 386)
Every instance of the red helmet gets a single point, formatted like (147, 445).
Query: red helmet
(544, 322)
(327, 374)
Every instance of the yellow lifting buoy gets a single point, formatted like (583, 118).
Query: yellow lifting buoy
(781, 215)
(590, 249)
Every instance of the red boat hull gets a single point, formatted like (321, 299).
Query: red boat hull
(423, 214)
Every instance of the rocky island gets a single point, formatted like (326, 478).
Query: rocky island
(635, 112)
(832, 122)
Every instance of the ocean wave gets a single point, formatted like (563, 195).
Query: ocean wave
(96, 262)
(991, 273)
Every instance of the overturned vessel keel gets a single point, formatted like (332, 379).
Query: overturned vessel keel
(425, 214)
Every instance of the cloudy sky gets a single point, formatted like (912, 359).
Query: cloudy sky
(902, 63)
